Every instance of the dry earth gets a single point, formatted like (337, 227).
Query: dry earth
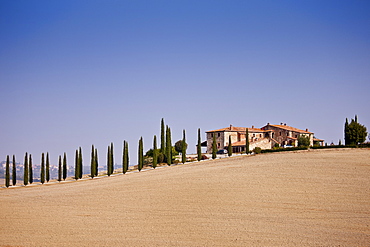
(314, 198)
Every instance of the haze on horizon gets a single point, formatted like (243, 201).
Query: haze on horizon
(77, 73)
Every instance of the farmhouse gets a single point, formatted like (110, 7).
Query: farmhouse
(266, 137)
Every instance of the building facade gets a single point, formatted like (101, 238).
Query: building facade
(266, 137)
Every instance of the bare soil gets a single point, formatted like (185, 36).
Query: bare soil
(309, 198)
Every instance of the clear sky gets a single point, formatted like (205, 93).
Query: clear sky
(76, 73)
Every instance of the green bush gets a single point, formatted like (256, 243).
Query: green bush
(257, 150)
(283, 149)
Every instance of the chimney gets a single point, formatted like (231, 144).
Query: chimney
(252, 126)
(231, 126)
(281, 123)
(306, 130)
(268, 123)
(285, 124)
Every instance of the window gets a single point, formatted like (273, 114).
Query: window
(218, 134)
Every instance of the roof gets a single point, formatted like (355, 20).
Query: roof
(318, 140)
(286, 127)
(239, 129)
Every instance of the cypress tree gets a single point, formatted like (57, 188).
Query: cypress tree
(64, 166)
(346, 133)
(247, 141)
(93, 169)
(42, 173)
(77, 167)
(199, 146)
(111, 158)
(30, 170)
(155, 152)
(183, 148)
(214, 147)
(163, 141)
(167, 146)
(96, 162)
(14, 172)
(60, 169)
(229, 148)
(108, 162)
(7, 172)
(80, 163)
(25, 170)
(126, 158)
(47, 168)
(140, 154)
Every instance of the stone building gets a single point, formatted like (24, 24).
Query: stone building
(266, 137)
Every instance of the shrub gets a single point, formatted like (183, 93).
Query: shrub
(257, 150)
(204, 157)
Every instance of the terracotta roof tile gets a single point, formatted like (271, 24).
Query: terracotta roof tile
(291, 128)
(239, 129)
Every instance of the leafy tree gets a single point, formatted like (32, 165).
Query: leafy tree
(155, 152)
(47, 168)
(30, 170)
(92, 163)
(42, 173)
(354, 133)
(163, 141)
(14, 172)
(303, 141)
(161, 158)
(183, 148)
(80, 165)
(25, 170)
(247, 141)
(64, 166)
(214, 147)
(199, 146)
(60, 169)
(229, 148)
(7, 172)
(140, 154)
(77, 167)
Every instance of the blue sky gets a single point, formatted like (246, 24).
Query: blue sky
(76, 73)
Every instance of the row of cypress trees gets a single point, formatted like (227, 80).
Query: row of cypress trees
(165, 151)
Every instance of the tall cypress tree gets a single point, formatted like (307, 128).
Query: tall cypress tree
(214, 147)
(92, 171)
(80, 163)
(140, 154)
(199, 146)
(229, 148)
(47, 167)
(77, 167)
(167, 148)
(346, 134)
(25, 170)
(108, 162)
(124, 158)
(183, 148)
(65, 166)
(14, 172)
(155, 152)
(247, 141)
(30, 170)
(60, 169)
(96, 163)
(7, 172)
(163, 141)
(42, 173)
(111, 158)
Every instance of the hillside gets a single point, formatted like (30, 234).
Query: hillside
(309, 198)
